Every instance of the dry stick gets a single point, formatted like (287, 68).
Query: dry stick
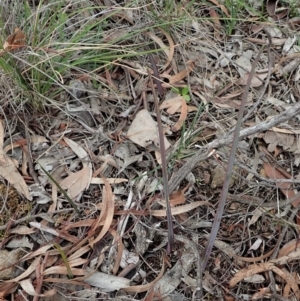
(31, 217)
(205, 152)
(163, 167)
(220, 210)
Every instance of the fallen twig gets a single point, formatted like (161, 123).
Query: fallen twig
(205, 152)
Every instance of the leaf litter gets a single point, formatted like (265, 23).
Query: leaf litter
(99, 141)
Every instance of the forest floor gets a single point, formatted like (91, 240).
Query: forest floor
(120, 175)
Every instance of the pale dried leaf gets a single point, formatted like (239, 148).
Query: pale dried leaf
(223, 246)
(244, 63)
(106, 282)
(278, 139)
(290, 257)
(288, 44)
(54, 232)
(20, 242)
(180, 209)
(192, 109)
(225, 58)
(274, 32)
(273, 173)
(256, 244)
(256, 81)
(83, 155)
(40, 194)
(128, 258)
(257, 213)
(62, 270)
(143, 130)
(172, 104)
(8, 262)
(22, 230)
(115, 34)
(168, 51)
(190, 65)
(29, 289)
(182, 117)
(109, 180)
(288, 248)
(76, 182)
(79, 253)
(255, 279)
(10, 173)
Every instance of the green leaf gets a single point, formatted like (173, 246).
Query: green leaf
(185, 91)
(186, 98)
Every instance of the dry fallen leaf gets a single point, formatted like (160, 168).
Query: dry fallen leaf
(175, 104)
(257, 213)
(182, 117)
(256, 244)
(273, 139)
(169, 51)
(109, 180)
(143, 130)
(11, 174)
(28, 287)
(9, 171)
(294, 255)
(257, 80)
(263, 267)
(180, 209)
(171, 104)
(8, 261)
(76, 182)
(107, 213)
(244, 63)
(15, 40)
(106, 282)
(254, 279)
(79, 181)
(286, 188)
(290, 246)
(190, 65)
